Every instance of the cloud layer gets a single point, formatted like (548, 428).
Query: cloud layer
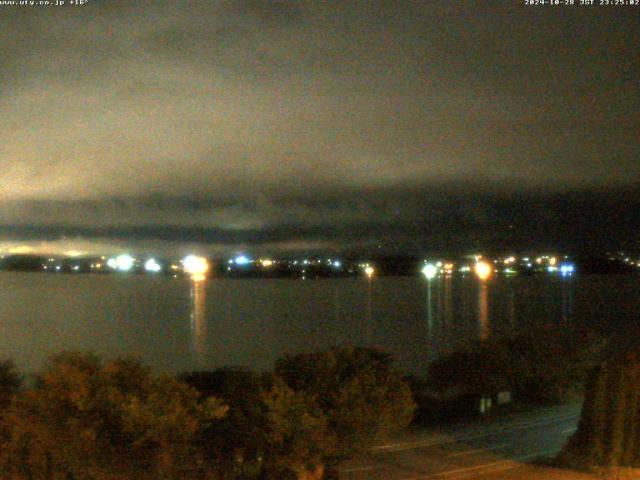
(243, 116)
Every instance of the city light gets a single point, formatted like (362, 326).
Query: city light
(429, 271)
(242, 260)
(369, 271)
(567, 269)
(124, 263)
(195, 266)
(266, 263)
(483, 270)
(337, 264)
(152, 266)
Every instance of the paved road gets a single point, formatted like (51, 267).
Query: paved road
(468, 451)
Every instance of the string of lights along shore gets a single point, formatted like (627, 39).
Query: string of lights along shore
(197, 266)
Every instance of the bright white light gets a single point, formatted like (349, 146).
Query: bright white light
(111, 263)
(242, 260)
(369, 271)
(429, 271)
(552, 269)
(124, 263)
(266, 263)
(337, 264)
(152, 265)
(195, 266)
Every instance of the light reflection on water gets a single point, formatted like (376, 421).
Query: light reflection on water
(483, 311)
(176, 324)
(199, 321)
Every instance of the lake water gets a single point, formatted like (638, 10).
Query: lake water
(178, 324)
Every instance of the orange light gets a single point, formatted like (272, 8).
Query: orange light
(195, 266)
(483, 270)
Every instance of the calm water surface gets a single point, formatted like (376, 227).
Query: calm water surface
(178, 324)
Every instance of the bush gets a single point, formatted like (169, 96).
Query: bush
(296, 434)
(10, 382)
(542, 366)
(357, 390)
(269, 429)
(236, 443)
(90, 419)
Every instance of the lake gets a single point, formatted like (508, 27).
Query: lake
(179, 324)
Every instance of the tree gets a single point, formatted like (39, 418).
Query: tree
(477, 371)
(269, 430)
(10, 383)
(539, 366)
(357, 390)
(91, 419)
(296, 437)
(235, 443)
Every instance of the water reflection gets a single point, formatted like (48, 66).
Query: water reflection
(483, 310)
(369, 330)
(257, 321)
(429, 309)
(567, 298)
(199, 320)
(336, 301)
(447, 310)
(511, 304)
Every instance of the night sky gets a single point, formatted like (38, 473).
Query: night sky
(291, 126)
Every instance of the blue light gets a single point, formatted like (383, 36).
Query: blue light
(567, 269)
(242, 260)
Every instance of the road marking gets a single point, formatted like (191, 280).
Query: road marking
(398, 447)
(476, 450)
(502, 464)
(568, 430)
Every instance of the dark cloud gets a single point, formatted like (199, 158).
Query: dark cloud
(437, 219)
(261, 121)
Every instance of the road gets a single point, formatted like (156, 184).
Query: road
(471, 451)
